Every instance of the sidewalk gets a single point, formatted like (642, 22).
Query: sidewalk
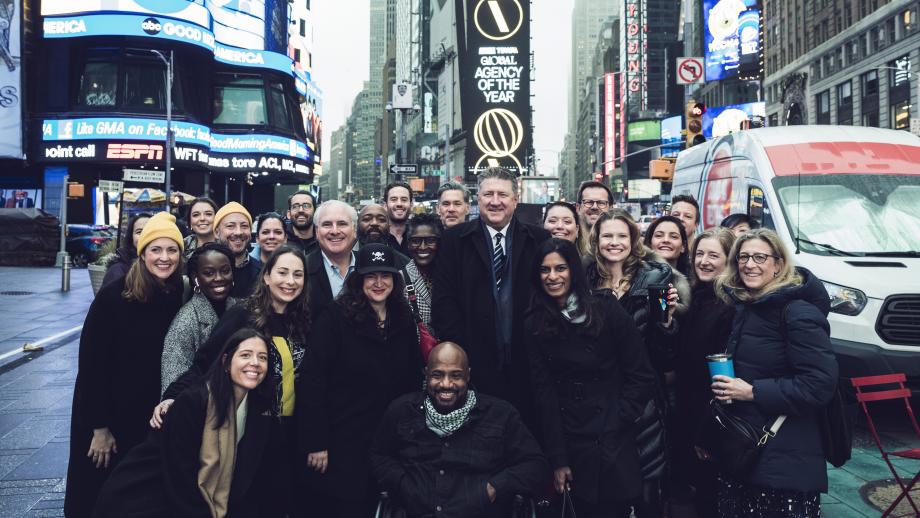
(36, 392)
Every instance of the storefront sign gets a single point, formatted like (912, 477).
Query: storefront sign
(634, 55)
(10, 82)
(497, 62)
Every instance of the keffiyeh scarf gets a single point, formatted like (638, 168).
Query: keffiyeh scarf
(446, 424)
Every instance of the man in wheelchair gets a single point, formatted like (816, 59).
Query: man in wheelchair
(452, 452)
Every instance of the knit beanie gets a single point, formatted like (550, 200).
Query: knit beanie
(228, 209)
(162, 224)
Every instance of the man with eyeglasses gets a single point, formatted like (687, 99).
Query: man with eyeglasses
(300, 213)
(594, 199)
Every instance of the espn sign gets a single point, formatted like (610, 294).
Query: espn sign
(134, 152)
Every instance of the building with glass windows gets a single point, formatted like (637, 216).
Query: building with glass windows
(242, 96)
(848, 62)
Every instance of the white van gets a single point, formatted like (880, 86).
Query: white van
(846, 201)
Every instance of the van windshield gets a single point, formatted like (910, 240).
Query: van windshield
(853, 214)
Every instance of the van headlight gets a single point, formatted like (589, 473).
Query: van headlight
(846, 301)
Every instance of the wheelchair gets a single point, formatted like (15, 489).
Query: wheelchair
(523, 507)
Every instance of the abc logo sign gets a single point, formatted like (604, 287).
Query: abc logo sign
(151, 26)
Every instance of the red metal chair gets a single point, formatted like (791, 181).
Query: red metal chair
(903, 393)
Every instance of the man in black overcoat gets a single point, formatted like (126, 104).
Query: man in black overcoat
(482, 287)
(330, 265)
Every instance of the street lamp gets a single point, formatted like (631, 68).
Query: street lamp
(169, 135)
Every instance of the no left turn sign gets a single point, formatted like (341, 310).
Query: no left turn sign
(689, 71)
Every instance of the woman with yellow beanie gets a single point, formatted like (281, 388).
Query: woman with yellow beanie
(118, 376)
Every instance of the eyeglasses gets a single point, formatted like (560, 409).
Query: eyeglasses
(299, 206)
(601, 204)
(430, 241)
(758, 258)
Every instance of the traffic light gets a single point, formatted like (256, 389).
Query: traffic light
(695, 113)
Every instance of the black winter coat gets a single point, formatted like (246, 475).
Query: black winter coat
(589, 390)
(118, 266)
(795, 376)
(660, 341)
(245, 278)
(320, 290)
(308, 245)
(118, 383)
(351, 373)
(160, 476)
(464, 307)
(446, 477)
(703, 331)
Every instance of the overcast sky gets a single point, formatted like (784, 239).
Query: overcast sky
(340, 67)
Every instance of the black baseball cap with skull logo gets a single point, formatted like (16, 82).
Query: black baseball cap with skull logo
(375, 257)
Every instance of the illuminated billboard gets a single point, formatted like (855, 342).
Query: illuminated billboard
(10, 81)
(633, 52)
(610, 129)
(496, 59)
(720, 121)
(238, 23)
(670, 135)
(731, 38)
(125, 139)
(644, 131)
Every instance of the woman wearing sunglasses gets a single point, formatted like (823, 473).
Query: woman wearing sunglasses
(780, 345)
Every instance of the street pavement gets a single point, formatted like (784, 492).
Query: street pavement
(36, 391)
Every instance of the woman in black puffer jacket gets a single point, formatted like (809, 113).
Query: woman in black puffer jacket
(622, 266)
(780, 342)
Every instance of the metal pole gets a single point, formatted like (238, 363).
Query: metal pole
(63, 256)
(169, 139)
(402, 140)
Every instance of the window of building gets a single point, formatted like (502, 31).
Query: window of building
(145, 85)
(839, 58)
(870, 118)
(882, 39)
(98, 84)
(773, 120)
(845, 103)
(303, 28)
(844, 94)
(900, 115)
(240, 99)
(823, 101)
(868, 84)
(282, 108)
(297, 55)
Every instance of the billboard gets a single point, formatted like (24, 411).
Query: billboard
(539, 189)
(237, 23)
(718, 122)
(731, 38)
(643, 131)
(10, 85)
(609, 125)
(103, 139)
(495, 64)
(670, 134)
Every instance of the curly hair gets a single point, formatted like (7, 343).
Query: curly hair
(191, 264)
(423, 219)
(637, 250)
(357, 307)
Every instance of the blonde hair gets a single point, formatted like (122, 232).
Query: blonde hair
(726, 239)
(730, 279)
(637, 251)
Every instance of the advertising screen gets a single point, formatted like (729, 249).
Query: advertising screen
(10, 87)
(670, 134)
(718, 122)
(731, 38)
(496, 67)
(644, 131)
(539, 189)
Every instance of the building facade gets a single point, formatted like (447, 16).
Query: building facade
(237, 99)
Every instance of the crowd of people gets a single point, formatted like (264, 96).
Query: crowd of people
(457, 365)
